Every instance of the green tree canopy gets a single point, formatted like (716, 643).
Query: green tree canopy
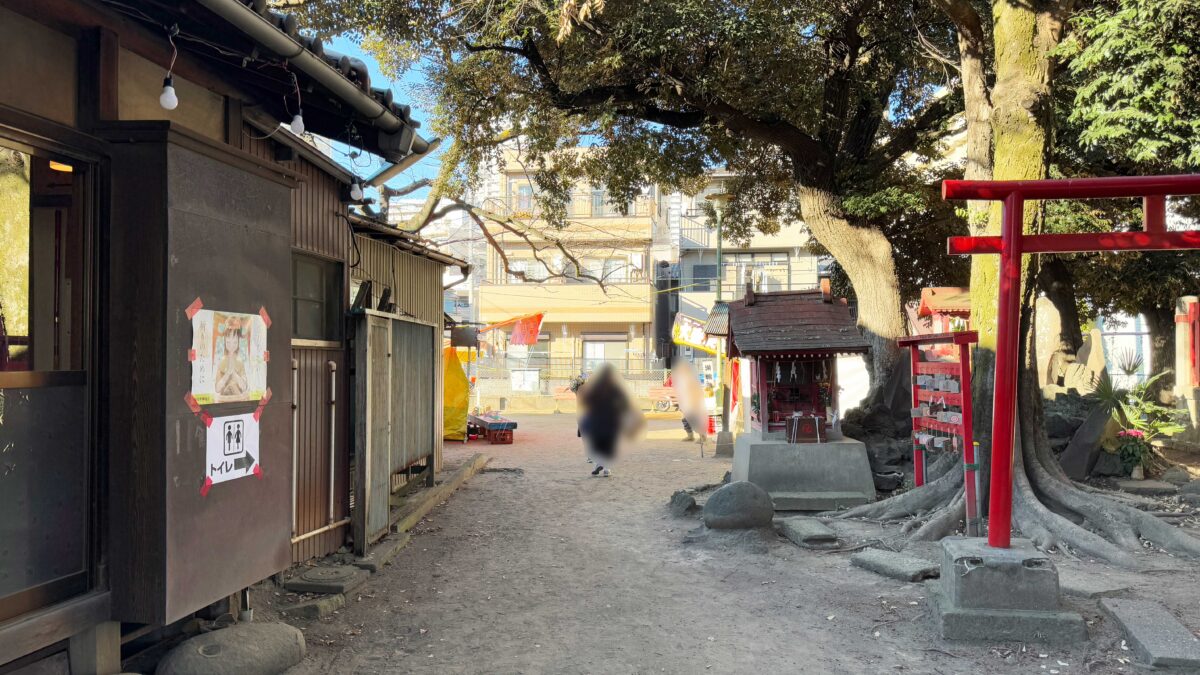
(811, 102)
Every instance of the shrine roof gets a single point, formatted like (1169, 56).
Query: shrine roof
(794, 321)
(945, 300)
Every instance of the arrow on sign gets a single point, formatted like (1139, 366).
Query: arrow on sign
(244, 462)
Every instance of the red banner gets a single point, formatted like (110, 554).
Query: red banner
(525, 330)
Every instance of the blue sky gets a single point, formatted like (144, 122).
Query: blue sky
(405, 91)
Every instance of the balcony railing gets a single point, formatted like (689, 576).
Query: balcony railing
(582, 207)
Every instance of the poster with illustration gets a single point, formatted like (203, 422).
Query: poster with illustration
(229, 357)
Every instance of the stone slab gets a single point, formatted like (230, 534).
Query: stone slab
(805, 476)
(383, 552)
(241, 649)
(1147, 487)
(977, 576)
(807, 532)
(894, 565)
(315, 608)
(1089, 586)
(817, 501)
(1001, 625)
(1156, 636)
(327, 579)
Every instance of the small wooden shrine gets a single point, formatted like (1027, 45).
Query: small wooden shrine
(792, 340)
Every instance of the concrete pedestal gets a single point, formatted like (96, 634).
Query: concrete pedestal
(724, 444)
(997, 594)
(805, 476)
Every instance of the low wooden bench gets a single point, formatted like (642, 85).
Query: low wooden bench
(499, 431)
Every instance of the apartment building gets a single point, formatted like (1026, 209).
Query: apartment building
(774, 262)
(585, 323)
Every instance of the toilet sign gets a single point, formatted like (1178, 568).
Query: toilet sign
(232, 449)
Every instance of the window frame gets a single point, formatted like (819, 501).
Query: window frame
(338, 293)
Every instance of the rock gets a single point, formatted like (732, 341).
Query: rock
(1084, 449)
(1061, 426)
(1190, 499)
(739, 505)
(242, 649)
(1192, 488)
(1151, 488)
(681, 504)
(1138, 473)
(1177, 475)
(1108, 464)
(886, 482)
(887, 453)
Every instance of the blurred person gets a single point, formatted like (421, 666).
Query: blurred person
(607, 415)
(691, 399)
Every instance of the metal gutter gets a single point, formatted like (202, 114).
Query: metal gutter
(268, 35)
(389, 172)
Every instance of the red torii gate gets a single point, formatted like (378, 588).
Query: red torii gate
(1012, 243)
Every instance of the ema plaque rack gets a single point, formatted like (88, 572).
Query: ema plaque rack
(941, 408)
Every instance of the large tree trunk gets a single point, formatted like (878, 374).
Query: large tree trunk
(866, 256)
(1056, 281)
(1161, 322)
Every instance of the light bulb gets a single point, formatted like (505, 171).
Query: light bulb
(356, 192)
(297, 125)
(167, 99)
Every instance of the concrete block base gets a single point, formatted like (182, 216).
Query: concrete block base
(998, 594)
(724, 444)
(1000, 625)
(806, 476)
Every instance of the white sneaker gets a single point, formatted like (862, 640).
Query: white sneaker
(606, 473)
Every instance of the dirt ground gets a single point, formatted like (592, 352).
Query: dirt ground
(535, 567)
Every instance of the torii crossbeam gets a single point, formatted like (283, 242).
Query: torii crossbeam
(1011, 244)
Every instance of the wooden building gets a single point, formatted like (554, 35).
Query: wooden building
(791, 340)
(175, 350)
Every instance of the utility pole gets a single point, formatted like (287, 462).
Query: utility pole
(725, 436)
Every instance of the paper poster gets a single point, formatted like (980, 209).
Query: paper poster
(231, 448)
(229, 356)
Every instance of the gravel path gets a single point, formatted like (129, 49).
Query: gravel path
(543, 569)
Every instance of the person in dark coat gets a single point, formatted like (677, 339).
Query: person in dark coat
(606, 410)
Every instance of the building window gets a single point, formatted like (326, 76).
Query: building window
(605, 348)
(703, 277)
(316, 298)
(615, 270)
(525, 198)
(598, 203)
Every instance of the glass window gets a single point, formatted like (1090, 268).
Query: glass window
(615, 269)
(317, 298)
(45, 441)
(598, 203)
(703, 277)
(525, 198)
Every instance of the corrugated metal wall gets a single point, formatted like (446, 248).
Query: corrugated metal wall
(416, 285)
(319, 230)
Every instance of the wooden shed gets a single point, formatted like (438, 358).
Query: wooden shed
(175, 365)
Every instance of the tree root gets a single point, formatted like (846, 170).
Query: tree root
(945, 522)
(918, 500)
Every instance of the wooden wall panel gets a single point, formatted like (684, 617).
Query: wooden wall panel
(416, 285)
(312, 451)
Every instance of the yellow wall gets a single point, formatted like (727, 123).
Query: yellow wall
(625, 303)
(38, 71)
